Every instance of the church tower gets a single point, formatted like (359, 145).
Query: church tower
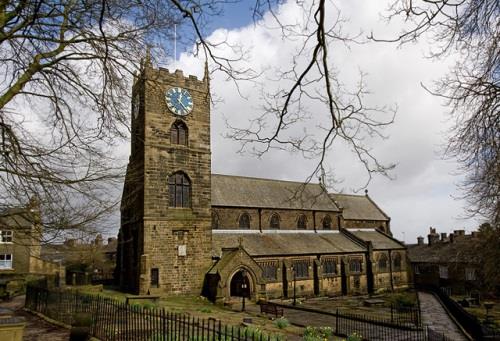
(165, 234)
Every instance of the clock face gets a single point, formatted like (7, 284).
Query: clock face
(179, 101)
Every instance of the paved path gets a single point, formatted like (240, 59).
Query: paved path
(435, 316)
(36, 329)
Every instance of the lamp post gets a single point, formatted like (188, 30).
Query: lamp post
(243, 289)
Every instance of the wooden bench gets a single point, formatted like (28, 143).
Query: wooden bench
(271, 308)
(155, 299)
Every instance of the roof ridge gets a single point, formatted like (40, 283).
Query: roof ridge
(267, 179)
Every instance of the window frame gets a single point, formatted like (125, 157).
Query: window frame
(443, 271)
(10, 234)
(269, 271)
(175, 133)
(326, 267)
(354, 269)
(383, 257)
(240, 219)
(154, 280)
(274, 221)
(302, 222)
(327, 219)
(5, 262)
(179, 192)
(301, 269)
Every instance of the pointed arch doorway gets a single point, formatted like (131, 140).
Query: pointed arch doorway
(240, 284)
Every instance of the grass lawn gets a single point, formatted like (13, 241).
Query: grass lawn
(355, 304)
(199, 307)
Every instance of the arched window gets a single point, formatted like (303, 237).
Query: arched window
(244, 221)
(327, 223)
(355, 265)
(179, 133)
(301, 222)
(274, 223)
(397, 262)
(179, 188)
(215, 221)
(382, 262)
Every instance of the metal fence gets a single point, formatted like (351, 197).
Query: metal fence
(117, 321)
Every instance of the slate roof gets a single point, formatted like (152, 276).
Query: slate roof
(238, 191)
(461, 250)
(16, 217)
(379, 240)
(284, 243)
(358, 207)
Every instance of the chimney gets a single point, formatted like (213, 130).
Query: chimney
(432, 237)
(420, 240)
(443, 236)
(474, 234)
(452, 237)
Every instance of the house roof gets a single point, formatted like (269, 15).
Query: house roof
(358, 207)
(17, 217)
(238, 191)
(461, 250)
(274, 243)
(379, 240)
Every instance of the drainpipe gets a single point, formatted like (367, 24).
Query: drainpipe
(314, 220)
(260, 219)
(390, 269)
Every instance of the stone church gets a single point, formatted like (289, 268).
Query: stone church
(185, 230)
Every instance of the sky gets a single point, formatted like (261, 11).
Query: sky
(422, 191)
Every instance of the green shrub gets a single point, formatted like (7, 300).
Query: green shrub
(281, 323)
(317, 333)
(205, 310)
(149, 305)
(354, 337)
(404, 300)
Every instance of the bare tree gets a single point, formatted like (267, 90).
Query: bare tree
(311, 80)
(470, 29)
(66, 71)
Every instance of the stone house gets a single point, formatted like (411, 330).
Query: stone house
(20, 247)
(446, 261)
(185, 230)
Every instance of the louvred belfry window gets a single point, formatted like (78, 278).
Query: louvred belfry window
(301, 222)
(179, 188)
(244, 222)
(327, 223)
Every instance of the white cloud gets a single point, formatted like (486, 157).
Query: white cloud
(421, 193)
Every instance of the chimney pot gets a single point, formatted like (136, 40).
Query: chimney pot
(420, 240)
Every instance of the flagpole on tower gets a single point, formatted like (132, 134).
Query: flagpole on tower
(175, 46)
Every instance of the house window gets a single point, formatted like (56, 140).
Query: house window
(269, 271)
(301, 222)
(329, 267)
(274, 223)
(301, 269)
(443, 271)
(6, 261)
(470, 274)
(382, 263)
(179, 133)
(155, 278)
(327, 223)
(397, 262)
(215, 221)
(355, 265)
(179, 189)
(6, 236)
(244, 221)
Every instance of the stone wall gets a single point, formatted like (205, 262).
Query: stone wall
(228, 218)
